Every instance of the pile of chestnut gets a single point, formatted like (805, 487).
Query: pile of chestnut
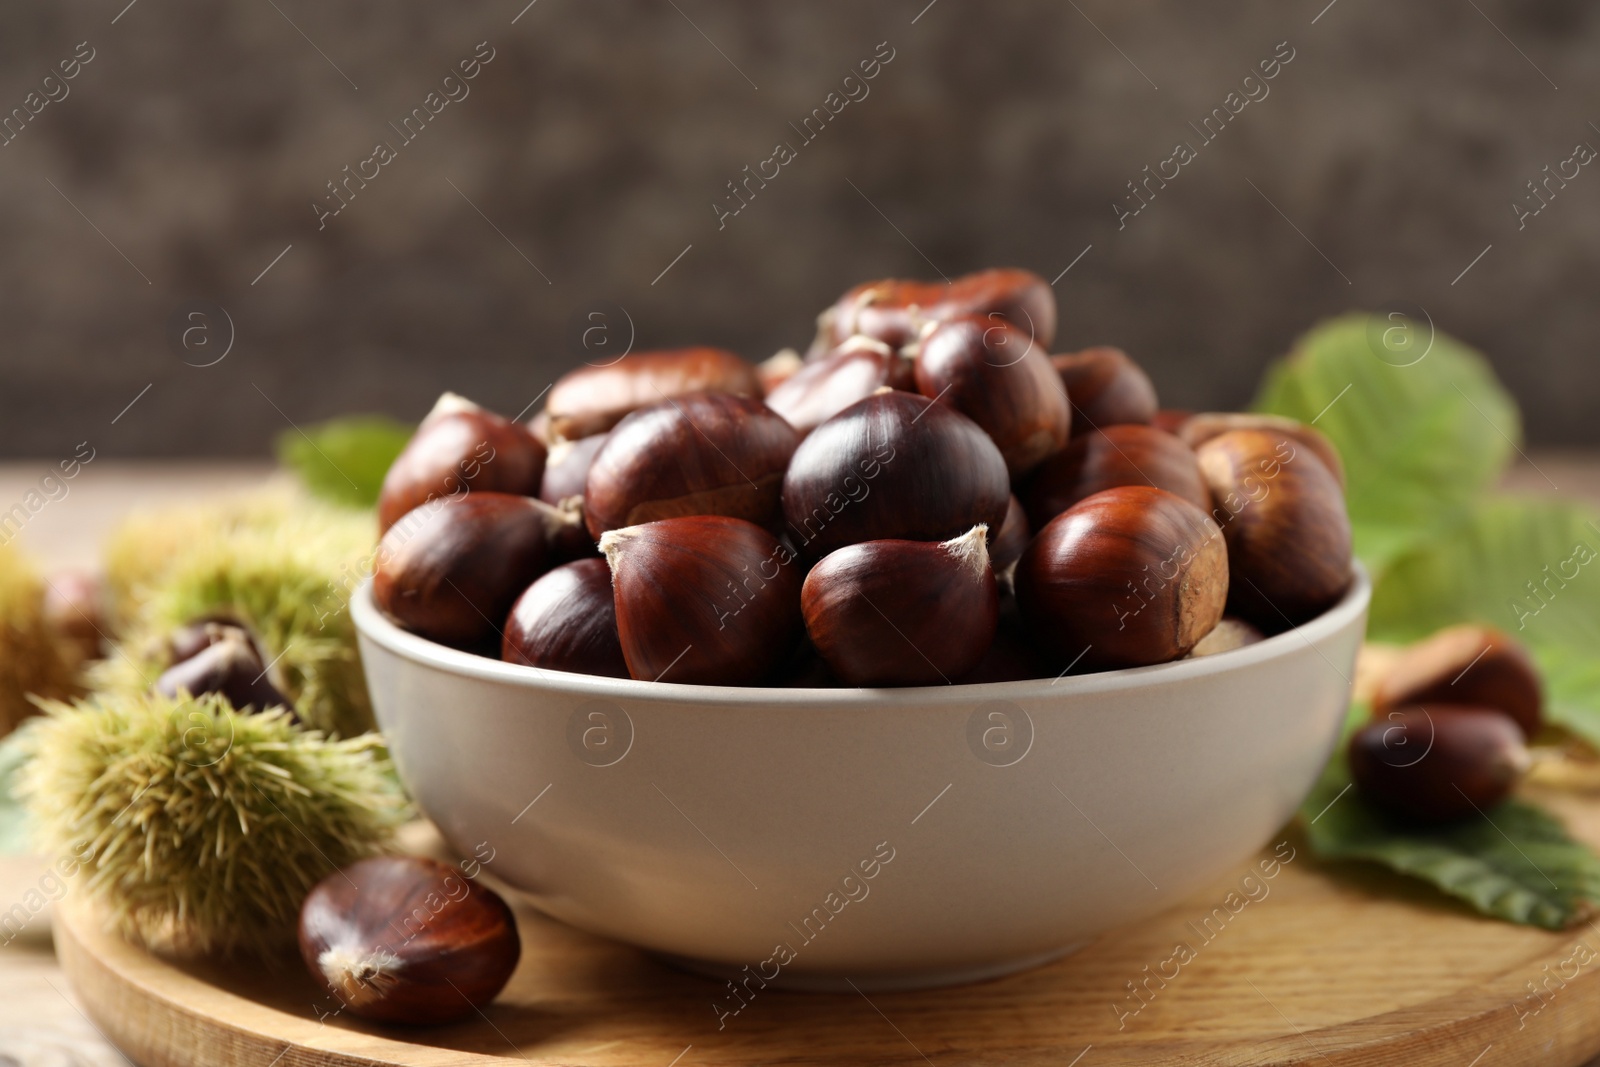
(927, 497)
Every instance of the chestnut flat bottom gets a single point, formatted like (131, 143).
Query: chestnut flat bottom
(874, 983)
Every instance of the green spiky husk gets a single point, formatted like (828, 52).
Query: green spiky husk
(33, 660)
(200, 829)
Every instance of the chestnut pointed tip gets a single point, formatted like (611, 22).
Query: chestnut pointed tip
(613, 542)
(971, 549)
(451, 404)
(863, 343)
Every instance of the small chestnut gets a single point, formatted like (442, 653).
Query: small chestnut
(1015, 533)
(1467, 664)
(1106, 388)
(893, 466)
(1283, 515)
(852, 371)
(567, 621)
(460, 447)
(1104, 459)
(1129, 577)
(889, 613)
(594, 398)
(896, 312)
(567, 469)
(702, 454)
(229, 665)
(703, 600)
(1197, 429)
(404, 939)
(1438, 763)
(1226, 636)
(990, 371)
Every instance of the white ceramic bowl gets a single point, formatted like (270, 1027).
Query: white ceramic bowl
(896, 837)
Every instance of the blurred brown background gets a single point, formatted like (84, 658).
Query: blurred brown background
(187, 153)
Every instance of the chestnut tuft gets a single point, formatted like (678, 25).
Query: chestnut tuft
(778, 368)
(896, 312)
(703, 600)
(594, 398)
(1466, 664)
(1129, 577)
(704, 454)
(567, 621)
(1106, 389)
(1013, 538)
(852, 371)
(1283, 515)
(888, 613)
(229, 665)
(460, 447)
(1105, 459)
(990, 371)
(1196, 430)
(403, 939)
(893, 466)
(1438, 763)
(568, 468)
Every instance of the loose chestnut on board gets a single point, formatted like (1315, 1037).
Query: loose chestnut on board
(703, 600)
(896, 312)
(1467, 664)
(895, 465)
(229, 665)
(852, 371)
(450, 570)
(1106, 388)
(703, 454)
(1105, 459)
(567, 469)
(1283, 515)
(990, 371)
(1015, 533)
(1129, 577)
(594, 398)
(1199, 428)
(892, 613)
(460, 447)
(567, 621)
(1438, 763)
(403, 939)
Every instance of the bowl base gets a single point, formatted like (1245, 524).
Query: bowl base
(892, 982)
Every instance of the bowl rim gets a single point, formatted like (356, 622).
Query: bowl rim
(373, 626)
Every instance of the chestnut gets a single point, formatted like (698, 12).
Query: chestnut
(1283, 515)
(1104, 459)
(229, 665)
(460, 447)
(702, 454)
(567, 469)
(1197, 429)
(895, 312)
(567, 621)
(594, 398)
(889, 613)
(404, 939)
(1467, 664)
(1171, 420)
(853, 370)
(1226, 636)
(993, 373)
(199, 634)
(1438, 763)
(1106, 388)
(893, 466)
(1129, 577)
(703, 600)
(777, 369)
(450, 570)
(1012, 539)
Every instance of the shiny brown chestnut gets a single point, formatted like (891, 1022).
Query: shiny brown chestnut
(460, 447)
(567, 469)
(594, 398)
(567, 621)
(404, 939)
(1438, 763)
(852, 371)
(1106, 388)
(450, 570)
(1008, 545)
(1104, 459)
(702, 454)
(1283, 515)
(1226, 636)
(703, 600)
(991, 371)
(896, 312)
(1466, 664)
(229, 665)
(1129, 577)
(893, 466)
(893, 613)
(1199, 428)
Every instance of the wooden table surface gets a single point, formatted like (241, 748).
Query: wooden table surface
(41, 1024)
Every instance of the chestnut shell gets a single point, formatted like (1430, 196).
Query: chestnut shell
(567, 469)
(1105, 459)
(594, 398)
(1007, 546)
(460, 447)
(895, 311)
(229, 665)
(567, 621)
(1466, 664)
(1198, 428)
(852, 371)
(1106, 388)
(1438, 763)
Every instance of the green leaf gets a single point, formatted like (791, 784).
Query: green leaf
(1423, 428)
(344, 460)
(1517, 863)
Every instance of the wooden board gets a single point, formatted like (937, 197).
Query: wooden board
(1328, 967)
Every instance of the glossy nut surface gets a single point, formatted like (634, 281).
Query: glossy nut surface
(567, 621)
(1106, 388)
(229, 665)
(567, 469)
(1438, 763)
(1007, 546)
(991, 371)
(1105, 459)
(889, 613)
(1129, 577)
(592, 399)
(704, 454)
(895, 311)
(1466, 664)
(1197, 429)
(457, 448)
(852, 371)
(894, 465)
